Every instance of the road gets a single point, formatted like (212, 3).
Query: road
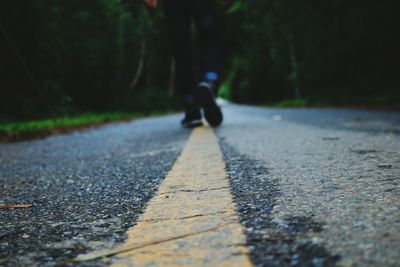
(299, 187)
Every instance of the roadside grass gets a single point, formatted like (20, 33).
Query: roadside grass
(292, 103)
(65, 121)
(385, 102)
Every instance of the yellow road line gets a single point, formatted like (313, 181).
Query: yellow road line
(192, 220)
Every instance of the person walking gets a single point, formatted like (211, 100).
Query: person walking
(199, 95)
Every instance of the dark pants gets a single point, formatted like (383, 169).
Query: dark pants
(180, 14)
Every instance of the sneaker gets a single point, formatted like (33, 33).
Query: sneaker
(212, 112)
(192, 119)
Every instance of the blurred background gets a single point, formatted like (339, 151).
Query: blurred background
(63, 57)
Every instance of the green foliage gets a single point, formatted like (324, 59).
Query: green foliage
(331, 49)
(82, 55)
(60, 57)
(236, 6)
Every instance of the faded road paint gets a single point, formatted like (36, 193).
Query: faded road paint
(192, 219)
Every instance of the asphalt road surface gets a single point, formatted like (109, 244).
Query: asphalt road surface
(311, 187)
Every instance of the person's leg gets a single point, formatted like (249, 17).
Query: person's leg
(205, 14)
(206, 22)
(179, 19)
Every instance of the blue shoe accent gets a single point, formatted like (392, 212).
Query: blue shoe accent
(211, 76)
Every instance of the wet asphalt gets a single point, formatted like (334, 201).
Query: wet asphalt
(313, 187)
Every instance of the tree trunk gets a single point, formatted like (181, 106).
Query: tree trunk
(171, 86)
(120, 60)
(25, 67)
(139, 69)
(295, 68)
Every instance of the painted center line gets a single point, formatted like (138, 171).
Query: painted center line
(192, 220)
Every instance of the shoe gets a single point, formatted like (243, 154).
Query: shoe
(192, 119)
(212, 112)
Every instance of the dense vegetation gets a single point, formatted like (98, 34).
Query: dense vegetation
(60, 57)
